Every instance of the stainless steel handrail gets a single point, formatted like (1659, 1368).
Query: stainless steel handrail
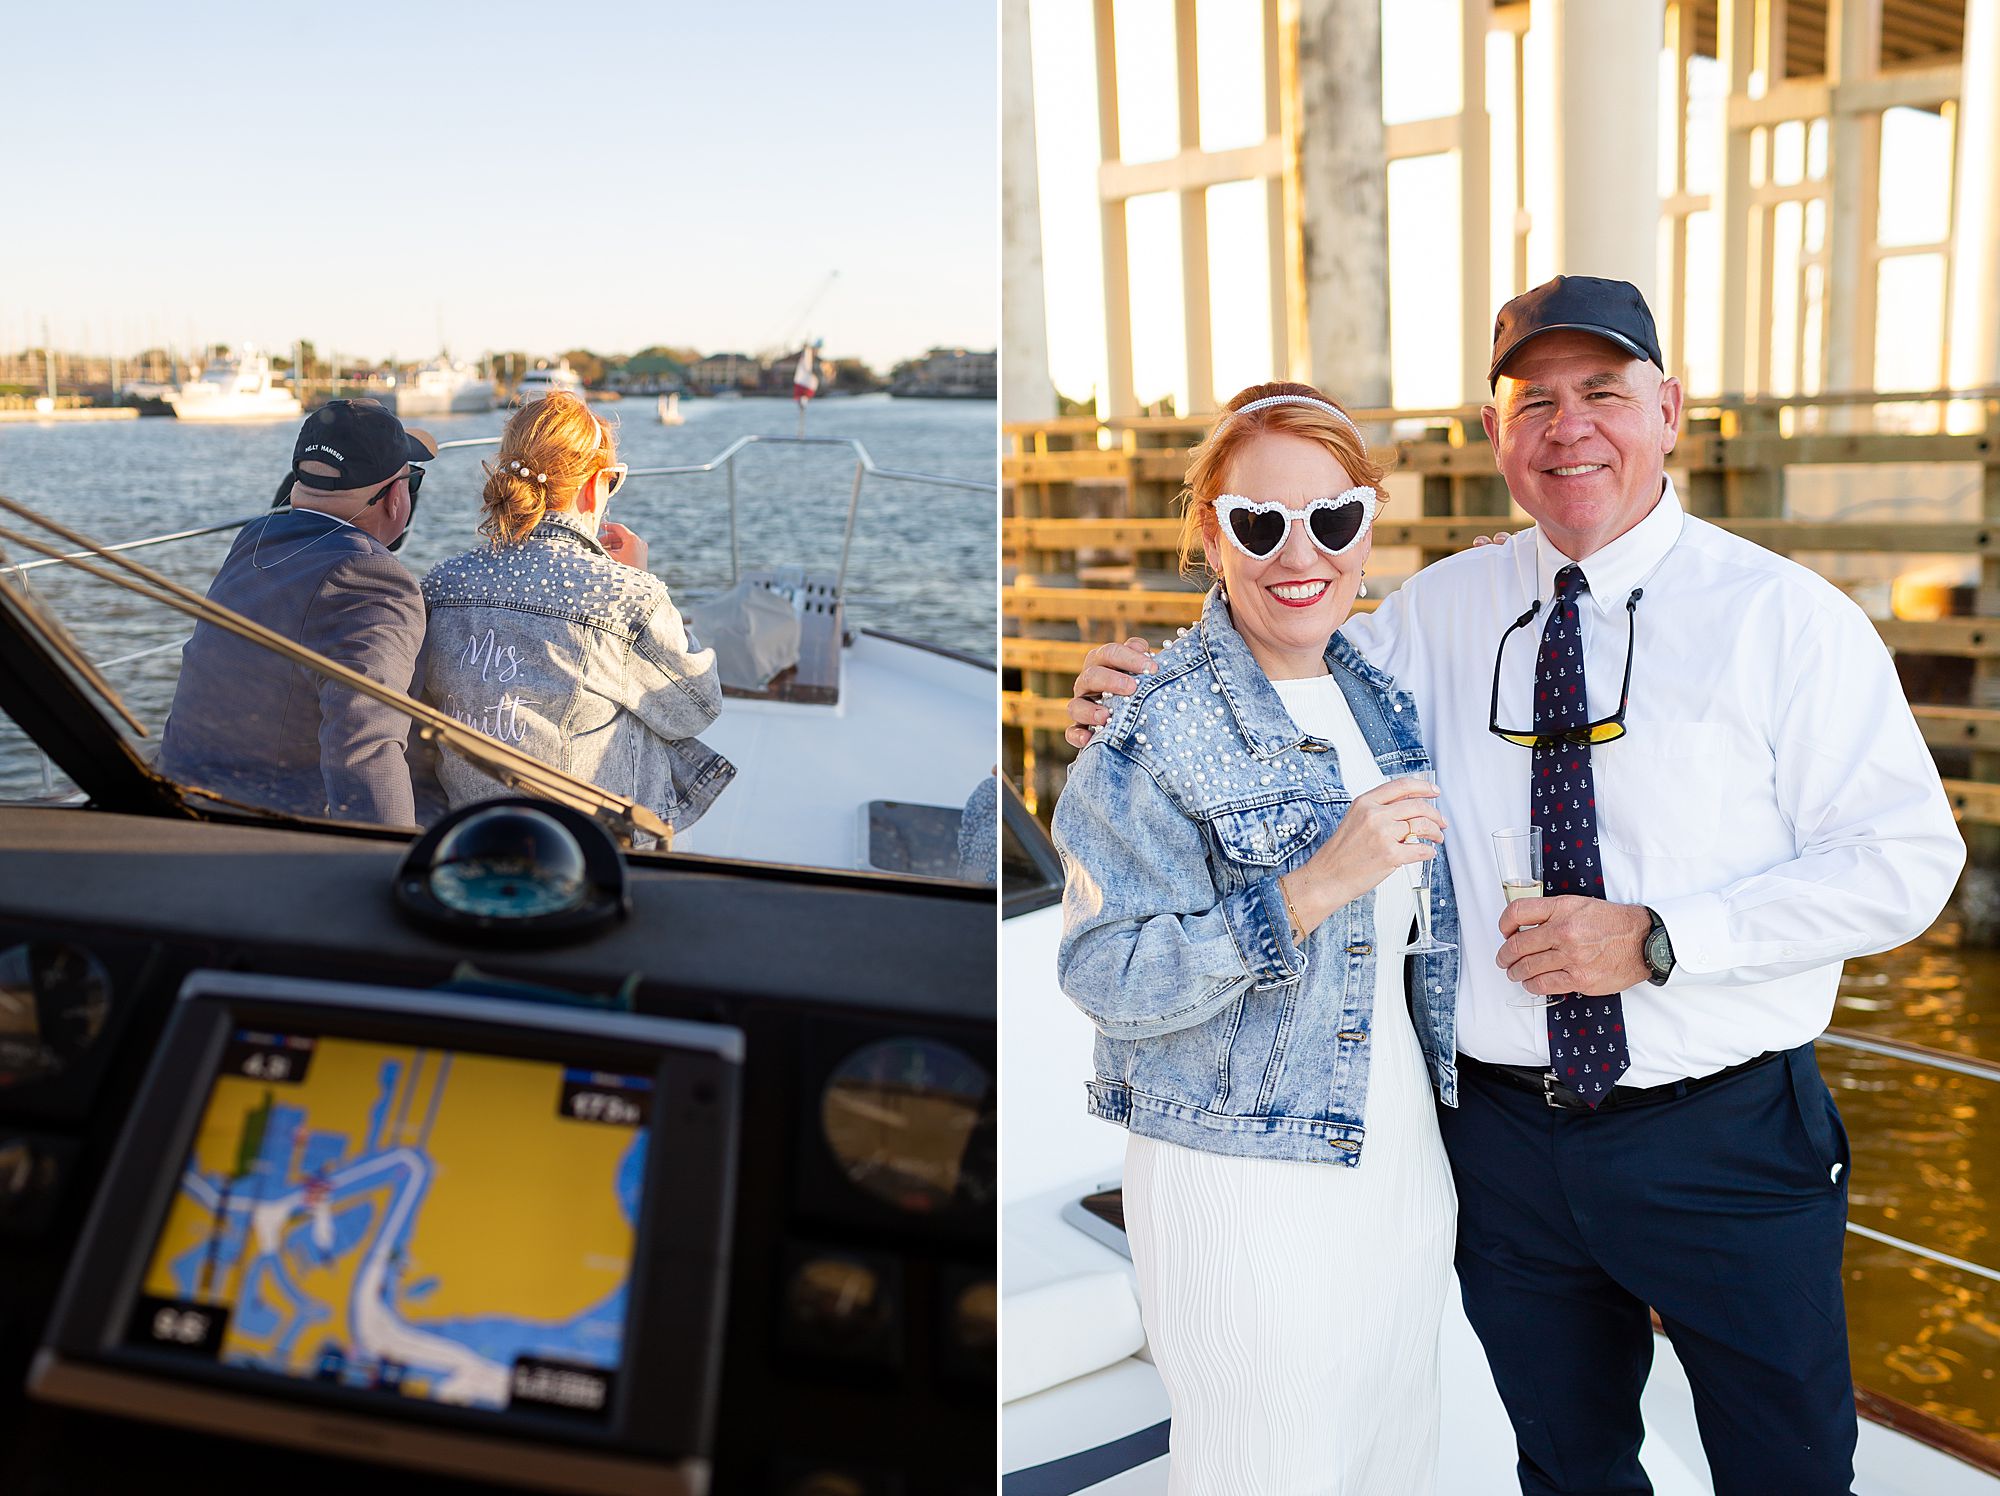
(1921, 1054)
(1925, 1252)
(1918, 1054)
(14, 568)
(865, 466)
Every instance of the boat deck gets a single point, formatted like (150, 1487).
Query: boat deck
(1122, 1403)
(908, 724)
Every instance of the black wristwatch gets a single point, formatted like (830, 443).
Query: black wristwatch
(1658, 950)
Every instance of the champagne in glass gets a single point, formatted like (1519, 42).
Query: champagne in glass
(1518, 852)
(1426, 943)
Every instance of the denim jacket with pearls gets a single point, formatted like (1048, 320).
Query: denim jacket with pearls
(1215, 1029)
(579, 660)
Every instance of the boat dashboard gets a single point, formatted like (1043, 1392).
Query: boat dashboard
(811, 1305)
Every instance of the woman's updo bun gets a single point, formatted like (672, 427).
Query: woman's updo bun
(549, 450)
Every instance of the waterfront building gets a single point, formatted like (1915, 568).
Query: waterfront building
(949, 373)
(724, 371)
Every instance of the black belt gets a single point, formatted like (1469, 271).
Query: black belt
(1544, 1084)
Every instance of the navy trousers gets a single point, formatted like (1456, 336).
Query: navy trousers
(1722, 1210)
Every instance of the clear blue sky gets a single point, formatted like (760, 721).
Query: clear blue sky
(536, 176)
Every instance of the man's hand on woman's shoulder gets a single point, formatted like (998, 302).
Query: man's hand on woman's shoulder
(1108, 670)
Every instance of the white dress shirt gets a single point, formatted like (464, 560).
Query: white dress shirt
(1772, 798)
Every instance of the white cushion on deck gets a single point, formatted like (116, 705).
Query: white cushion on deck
(1067, 1328)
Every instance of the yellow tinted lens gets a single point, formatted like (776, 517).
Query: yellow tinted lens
(1524, 739)
(1604, 732)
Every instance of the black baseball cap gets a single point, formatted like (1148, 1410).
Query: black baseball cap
(1613, 310)
(352, 444)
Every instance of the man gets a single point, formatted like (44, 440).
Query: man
(1769, 810)
(254, 727)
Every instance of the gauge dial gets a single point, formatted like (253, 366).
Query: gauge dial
(975, 1318)
(509, 862)
(901, 1118)
(54, 998)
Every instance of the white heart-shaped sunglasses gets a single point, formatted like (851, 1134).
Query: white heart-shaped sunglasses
(1258, 528)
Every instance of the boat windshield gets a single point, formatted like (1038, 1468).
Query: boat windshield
(138, 686)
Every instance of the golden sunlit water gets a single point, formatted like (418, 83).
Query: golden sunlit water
(1926, 1145)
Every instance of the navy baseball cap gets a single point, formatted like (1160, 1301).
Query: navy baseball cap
(350, 444)
(1613, 310)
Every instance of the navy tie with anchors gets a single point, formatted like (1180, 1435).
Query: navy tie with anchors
(1587, 1051)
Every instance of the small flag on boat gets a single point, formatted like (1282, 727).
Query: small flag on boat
(805, 378)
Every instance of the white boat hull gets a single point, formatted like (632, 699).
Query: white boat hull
(273, 407)
(470, 401)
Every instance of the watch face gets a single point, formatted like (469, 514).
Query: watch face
(1659, 952)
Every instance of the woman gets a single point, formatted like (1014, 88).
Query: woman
(555, 638)
(1237, 840)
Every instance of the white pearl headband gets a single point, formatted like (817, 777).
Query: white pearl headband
(1333, 410)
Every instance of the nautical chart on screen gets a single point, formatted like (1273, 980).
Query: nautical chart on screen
(417, 1221)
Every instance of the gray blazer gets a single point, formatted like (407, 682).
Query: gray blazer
(257, 728)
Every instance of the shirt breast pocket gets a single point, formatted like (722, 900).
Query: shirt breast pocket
(1266, 836)
(1660, 788)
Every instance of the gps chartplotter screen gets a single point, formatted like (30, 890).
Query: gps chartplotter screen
(423, 1222)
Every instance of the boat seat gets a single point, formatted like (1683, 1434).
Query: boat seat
(815, 680)
(1067, 1299)
(1067, 1329)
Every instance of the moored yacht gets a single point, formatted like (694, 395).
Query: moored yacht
(235, 389)
(444, 386)
(544, 380)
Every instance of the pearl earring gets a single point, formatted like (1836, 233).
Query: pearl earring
(1364, 584)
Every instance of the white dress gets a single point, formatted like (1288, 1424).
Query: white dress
(1293, 1308)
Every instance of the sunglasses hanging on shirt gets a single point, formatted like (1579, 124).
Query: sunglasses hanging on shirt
(1605, 729)
(1259, 529)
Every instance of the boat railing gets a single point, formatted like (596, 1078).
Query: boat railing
(21, 568)
(1935, 1059)
(865, 467)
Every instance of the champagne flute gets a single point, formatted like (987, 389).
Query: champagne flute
(1426, 943)
(1518, 852)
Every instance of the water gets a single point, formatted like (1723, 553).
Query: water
(923, 561)
(1927, 1169)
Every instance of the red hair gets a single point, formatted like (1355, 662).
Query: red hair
(1209, 467)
